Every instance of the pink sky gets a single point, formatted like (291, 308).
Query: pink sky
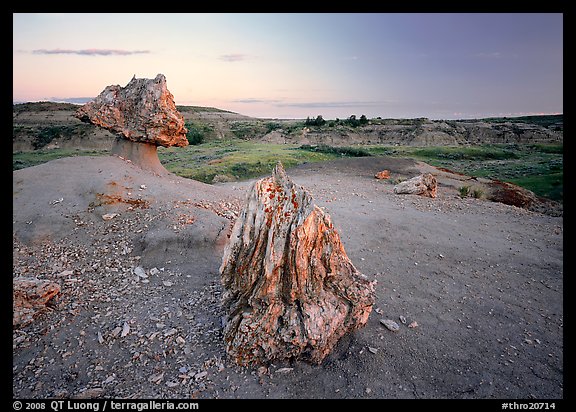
(299, 65)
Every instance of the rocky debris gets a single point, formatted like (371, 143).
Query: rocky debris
(110, 300)
(30, 295)
(384, 174)
(291, 292)
(390, 325)
(141, 112)
(423, 185)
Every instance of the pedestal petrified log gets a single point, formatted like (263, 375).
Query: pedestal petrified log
(143, 115)
(290, 289)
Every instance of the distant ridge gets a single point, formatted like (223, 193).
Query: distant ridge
(202, 109)
(53, 125)
(544, 120)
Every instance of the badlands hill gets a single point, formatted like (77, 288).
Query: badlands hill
(53, 125)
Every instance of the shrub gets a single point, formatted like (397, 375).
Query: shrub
(49, 133)
(319, 121)
(196, 133)
(342, 151)
(271, 126)
(464, 191)
(477, 193)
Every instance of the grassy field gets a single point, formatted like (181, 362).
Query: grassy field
(537, 167)
(20, 160)
(233, 159)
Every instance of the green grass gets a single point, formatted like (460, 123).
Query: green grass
(336, 150)
(537, 167)
(20, 160)
(549, 185)
(234, 159)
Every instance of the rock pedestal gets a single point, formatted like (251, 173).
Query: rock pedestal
(291, 292)
(144, 155)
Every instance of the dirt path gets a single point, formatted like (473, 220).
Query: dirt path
(482, 281)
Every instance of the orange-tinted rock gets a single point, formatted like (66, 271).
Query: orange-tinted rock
(423, 185)
(30, 295)
(384, 174)
(143, 111)
(291, 292)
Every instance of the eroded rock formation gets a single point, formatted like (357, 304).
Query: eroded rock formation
(30, 295)
(423, 185)
(290, 289)
(142, 112)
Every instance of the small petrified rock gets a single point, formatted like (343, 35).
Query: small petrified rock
(423, 185)
(290, 289)
(384, 174)
(390, 324)
(30, 295)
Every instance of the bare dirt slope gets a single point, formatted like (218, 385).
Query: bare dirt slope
(476, 288)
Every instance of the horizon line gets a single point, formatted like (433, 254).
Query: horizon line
(83, 100)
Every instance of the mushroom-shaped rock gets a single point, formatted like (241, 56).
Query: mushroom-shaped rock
(291, 292)
(142, 113)
(423, 185)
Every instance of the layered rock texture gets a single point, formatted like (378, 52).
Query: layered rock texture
(142, 112)
(291, 292)
(424, 185)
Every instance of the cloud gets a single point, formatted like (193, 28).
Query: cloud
(316, 105)
(251, 100)
(75, 100)
(313, 105)
(237, 57)
(91, 52)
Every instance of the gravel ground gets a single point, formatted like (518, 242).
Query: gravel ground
(475, 289)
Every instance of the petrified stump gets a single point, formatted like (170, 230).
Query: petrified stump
(30, 295)
(290, 289)
(143, 116)
(423, 185)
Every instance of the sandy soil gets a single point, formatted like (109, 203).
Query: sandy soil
(480, 283)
